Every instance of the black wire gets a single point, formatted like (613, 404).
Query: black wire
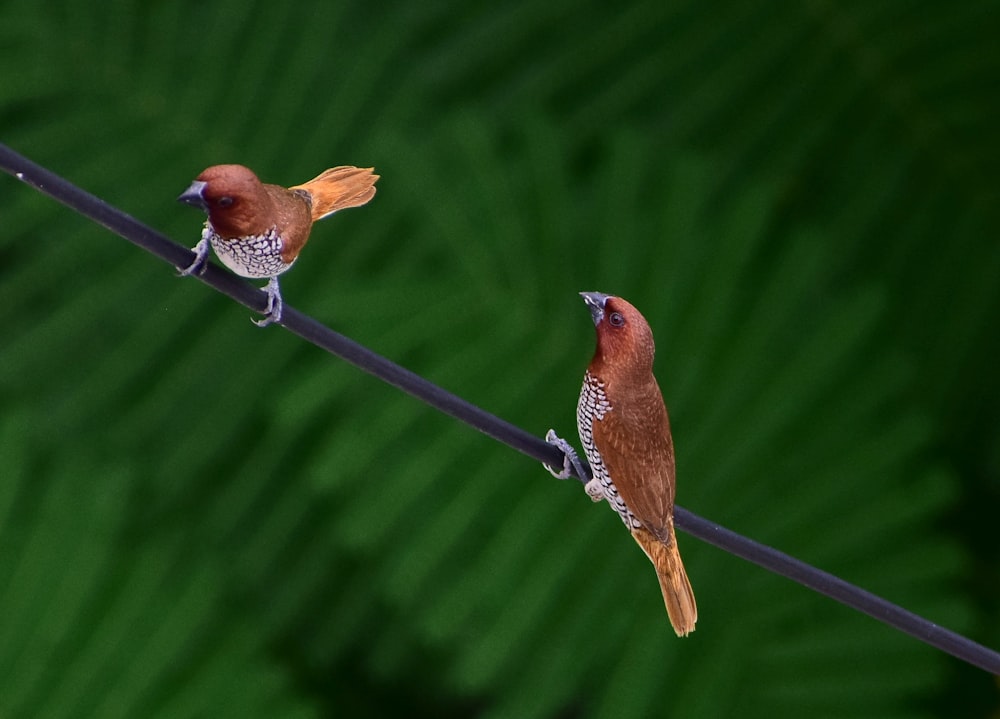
(836, 588)
(312, 331)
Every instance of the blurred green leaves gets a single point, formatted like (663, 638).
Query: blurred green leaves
(203, 518)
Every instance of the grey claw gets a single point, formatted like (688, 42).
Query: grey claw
(197, 267)
(571, 461)
(274, 304)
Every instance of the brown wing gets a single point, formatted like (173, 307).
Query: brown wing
(637, 449)
(291, 215)
(339, 188)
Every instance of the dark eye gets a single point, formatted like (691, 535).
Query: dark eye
(616, 319)
(225, 201)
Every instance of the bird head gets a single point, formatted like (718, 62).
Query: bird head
(624, 339)
(235, 200)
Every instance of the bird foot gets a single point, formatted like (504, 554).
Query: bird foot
(274, 304)
(594, 490)
(571, 461)
(197, 267)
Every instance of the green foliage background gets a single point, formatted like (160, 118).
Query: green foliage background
(200, 518)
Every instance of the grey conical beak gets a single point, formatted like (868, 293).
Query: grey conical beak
(595, 303)
(195, 195)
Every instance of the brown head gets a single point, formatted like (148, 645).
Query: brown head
(624, 339)
(237, 203)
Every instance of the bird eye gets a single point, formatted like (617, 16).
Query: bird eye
(225, 201)
(616, 319)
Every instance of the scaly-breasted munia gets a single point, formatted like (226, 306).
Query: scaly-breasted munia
(625, 432)
(258, 230)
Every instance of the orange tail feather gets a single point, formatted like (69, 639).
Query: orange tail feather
(677, 593)
(339, 188)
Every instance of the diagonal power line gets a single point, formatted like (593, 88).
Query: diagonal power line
(318, 334)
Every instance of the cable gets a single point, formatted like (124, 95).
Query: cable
(363, 358)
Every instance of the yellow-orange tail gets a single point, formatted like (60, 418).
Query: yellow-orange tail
(339, 188)
(677, 593)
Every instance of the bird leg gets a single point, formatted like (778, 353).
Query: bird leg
(594, 489)
(571, 461)
(200, 256)
(274, 304)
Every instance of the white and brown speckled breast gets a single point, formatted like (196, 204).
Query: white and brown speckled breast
(257, 256)
(593, 406)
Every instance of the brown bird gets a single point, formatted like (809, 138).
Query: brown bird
(258, 230)
(625, 432)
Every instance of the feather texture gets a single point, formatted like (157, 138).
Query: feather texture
(625, 432)
(257, 229)
(338, 189)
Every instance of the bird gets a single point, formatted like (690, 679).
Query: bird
(258, 230)
(625, 432)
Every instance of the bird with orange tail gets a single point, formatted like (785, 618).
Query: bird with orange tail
(258, 230)
(625, 432)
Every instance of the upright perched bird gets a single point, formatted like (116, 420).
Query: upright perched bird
(625, 433)
(258, 230)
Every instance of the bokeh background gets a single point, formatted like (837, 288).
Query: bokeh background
(200, 518)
